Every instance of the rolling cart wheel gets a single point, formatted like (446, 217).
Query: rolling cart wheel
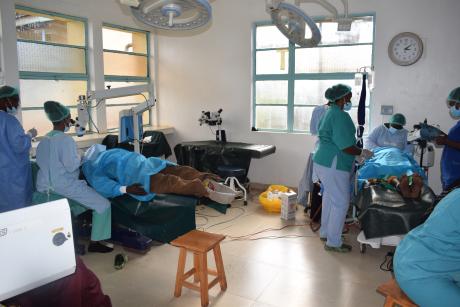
(245, 203)
(362, 248)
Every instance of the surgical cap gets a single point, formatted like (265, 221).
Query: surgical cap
(337, 91)
(398, 119)
(93, 152)
(8, 91)
(55, 111)
(454, 95)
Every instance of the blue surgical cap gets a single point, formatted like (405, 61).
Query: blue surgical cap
(398, 119)
(454, 95)
(8, 91)
(336, 92)
(55, 111)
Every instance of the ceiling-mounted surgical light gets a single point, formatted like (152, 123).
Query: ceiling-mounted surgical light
(171, 14)
(292, 22)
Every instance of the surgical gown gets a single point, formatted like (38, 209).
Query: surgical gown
(427, 261)
(59, 164)
(15, 169)
(450, 160)
(382, 137)
(115, 168)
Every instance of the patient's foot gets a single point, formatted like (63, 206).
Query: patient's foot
(97, 247)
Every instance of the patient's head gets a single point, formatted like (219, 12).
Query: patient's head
(93, 152)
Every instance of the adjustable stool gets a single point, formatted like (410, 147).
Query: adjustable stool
(200, 243)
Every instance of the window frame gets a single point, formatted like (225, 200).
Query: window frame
(115, 78)
(292, 76)
(36, 75)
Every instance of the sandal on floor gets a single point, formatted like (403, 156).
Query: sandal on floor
(120, 261)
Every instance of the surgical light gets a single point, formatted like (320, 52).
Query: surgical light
(171, 14)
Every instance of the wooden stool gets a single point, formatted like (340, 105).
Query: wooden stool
(200, 243)
(394, 295)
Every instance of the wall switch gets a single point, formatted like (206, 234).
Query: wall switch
(386, 110)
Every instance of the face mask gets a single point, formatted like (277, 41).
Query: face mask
(12, 111)
(347, 106)
(454, 112)
(392, 130)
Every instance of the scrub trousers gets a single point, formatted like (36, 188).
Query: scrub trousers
(89, 199)
(182, 180)
(336, 199)
(432, 292)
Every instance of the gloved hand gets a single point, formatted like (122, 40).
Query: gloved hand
(32, 132)
(136, 189)
(365, 154)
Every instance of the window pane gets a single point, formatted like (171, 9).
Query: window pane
(271, 117)
(117, 64)
(311, 92)
(333, 59)
(362, 31)
(37, 119)
(47, 28)
(35, 92)
(113, 116)
(128, 99)
(122, 40)
(302, 116)
(271, 92)
(46, 58)
(270, 37)
(272, 62)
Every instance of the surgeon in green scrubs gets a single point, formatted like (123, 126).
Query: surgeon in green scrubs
(427, 261)
(333, 163)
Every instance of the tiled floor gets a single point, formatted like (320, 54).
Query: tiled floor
(260, 273)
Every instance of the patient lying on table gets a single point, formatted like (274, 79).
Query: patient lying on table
(395, 167)
(116, 172)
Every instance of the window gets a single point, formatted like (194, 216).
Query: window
(52, 53)
(289, 81)
(126, 63)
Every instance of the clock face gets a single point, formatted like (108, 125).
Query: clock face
(405, 49)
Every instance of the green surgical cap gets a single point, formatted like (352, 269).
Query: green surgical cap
(55, 111)
(454, 95)
(336, 92)
(398, 119)
(8, 91)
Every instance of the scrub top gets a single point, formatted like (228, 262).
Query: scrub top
(15, 169)
(450, 160)
(382, 137)
(433, 248)
(336, 132)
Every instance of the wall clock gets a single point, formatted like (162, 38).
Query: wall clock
(405, 49)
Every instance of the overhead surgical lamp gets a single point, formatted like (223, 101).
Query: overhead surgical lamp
(171, 14)
(292, 22)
